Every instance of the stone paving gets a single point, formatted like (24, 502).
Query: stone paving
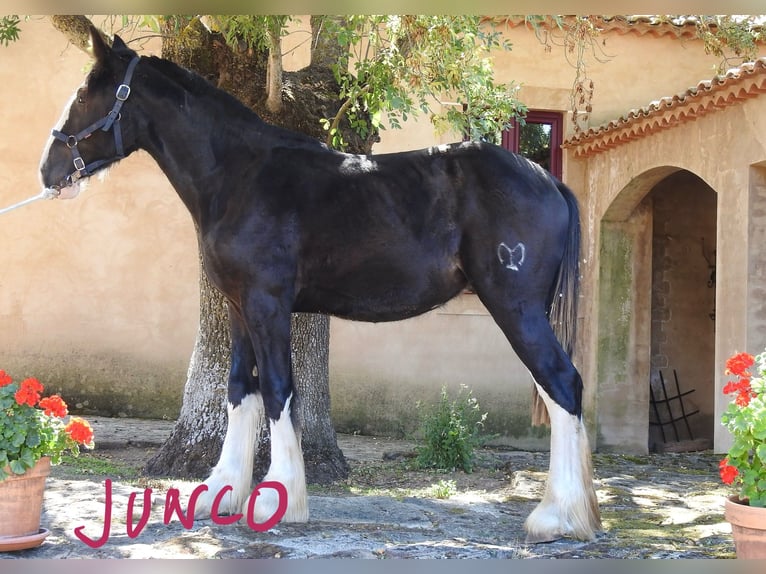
(655, 506)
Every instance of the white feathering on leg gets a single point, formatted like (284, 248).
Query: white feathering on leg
(286, 467)
(569, 506)
(235, 465)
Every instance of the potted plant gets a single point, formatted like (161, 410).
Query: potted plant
(745, 463)
(34, 433)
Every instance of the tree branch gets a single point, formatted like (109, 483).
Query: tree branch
(77, 30)
(275, 70)
(342, 111)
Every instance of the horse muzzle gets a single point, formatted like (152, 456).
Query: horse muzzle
(69, 192)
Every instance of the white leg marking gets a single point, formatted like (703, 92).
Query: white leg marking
(511, 258)
(569, 506)
(235, 466)
(287, 468)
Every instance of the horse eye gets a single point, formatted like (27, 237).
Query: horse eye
(80, 100)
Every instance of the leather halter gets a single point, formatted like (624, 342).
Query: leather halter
(109, 121)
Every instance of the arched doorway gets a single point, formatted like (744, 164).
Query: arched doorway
(683, 313)
(654, 307)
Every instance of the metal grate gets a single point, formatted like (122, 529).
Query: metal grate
(669, 402)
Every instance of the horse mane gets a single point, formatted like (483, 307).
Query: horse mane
(197, 85)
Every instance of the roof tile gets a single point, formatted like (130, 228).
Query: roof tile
(736, 85)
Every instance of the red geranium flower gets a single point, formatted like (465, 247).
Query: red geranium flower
(31, 427)
(737, 386)
(54, 405)
(728, 472)
(743, 398)
(29, 392)
(739, 364)
(80, 430)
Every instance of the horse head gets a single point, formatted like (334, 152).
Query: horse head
(94, 131)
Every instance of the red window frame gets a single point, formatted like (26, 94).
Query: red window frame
(510, 138)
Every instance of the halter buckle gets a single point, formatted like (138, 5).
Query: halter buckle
(123, 91)
(110, 121)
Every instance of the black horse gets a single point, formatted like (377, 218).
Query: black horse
(287, 225)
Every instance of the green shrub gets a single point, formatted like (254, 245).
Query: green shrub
(450, 432)
(443, 489)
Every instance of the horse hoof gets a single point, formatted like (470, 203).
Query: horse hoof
(541, 538)
(267, 504)
(228, 503)
(547, 524)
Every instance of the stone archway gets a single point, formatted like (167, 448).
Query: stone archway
(627, 350)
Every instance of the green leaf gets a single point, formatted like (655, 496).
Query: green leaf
(33, 438)
(28, 456)
(738, 448)
(760, 451)
(9, 29)
(18, 467)
(18, 438)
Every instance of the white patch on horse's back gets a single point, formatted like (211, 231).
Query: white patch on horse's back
(443, 148)
(286, 467)
(358, 164)
(512, 258)
(235, 465)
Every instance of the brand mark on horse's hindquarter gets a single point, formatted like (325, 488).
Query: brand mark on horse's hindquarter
(511, 258)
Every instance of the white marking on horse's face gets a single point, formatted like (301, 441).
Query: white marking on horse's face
(512, 258)
(358, 164)
(73, 190)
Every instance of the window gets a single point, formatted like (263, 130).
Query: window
(539, 139)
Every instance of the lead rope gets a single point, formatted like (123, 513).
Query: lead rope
(44, 194)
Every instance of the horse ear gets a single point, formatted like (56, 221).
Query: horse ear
(99, 47)
(118, 45)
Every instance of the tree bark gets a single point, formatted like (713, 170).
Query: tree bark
(197, 437)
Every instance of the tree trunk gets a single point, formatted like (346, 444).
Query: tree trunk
(275, 76)
(322, 457)
(195, 443)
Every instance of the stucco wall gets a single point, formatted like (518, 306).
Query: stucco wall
(623, 177)
(394, 365)
(98, 295)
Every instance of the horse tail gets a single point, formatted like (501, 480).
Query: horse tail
(562, 300)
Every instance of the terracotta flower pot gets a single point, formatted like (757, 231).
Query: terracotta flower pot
(748, 528)
(21, 504)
